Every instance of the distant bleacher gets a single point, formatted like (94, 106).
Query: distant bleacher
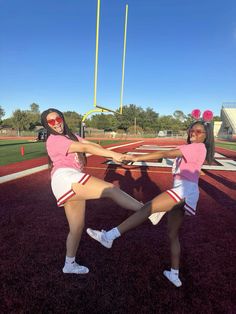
(228, 116)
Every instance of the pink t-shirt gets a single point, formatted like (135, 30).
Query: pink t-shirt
(57, 148)
(189, 166)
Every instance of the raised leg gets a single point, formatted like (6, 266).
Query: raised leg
(161, 203)
(96, 188)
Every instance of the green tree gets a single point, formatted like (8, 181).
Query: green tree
(131, 115)
(102, 121)
(73, 120)
(8, 122)
(34, 116)
(21, 120)
(188, 121)
(149, 120)
(34, 108)
(217, 118)
(135, 130)
(169, 123)
(2, 113)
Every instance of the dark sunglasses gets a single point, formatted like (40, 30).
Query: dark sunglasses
(52, 122)
(198, 132)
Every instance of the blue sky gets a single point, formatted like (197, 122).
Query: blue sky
(181, 54)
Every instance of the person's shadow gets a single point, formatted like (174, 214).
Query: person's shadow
(111, 174)
(227, 182)
(145, 188)
(142, 188)
(125, 181)
(216, 193)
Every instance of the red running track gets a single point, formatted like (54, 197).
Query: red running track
(128, 278)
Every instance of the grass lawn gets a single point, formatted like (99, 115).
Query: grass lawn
(10, 150)
(227, 145)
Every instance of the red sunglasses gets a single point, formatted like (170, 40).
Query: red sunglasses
(52, 122)
(198, 132)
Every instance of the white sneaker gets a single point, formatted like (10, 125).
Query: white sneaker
(74, 268)
(100, 237)
(173, 279)
(156, 217)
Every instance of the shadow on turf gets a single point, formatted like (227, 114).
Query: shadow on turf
(142, 188)
(229, 183)
(216, 193)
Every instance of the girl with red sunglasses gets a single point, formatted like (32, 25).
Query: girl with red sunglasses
(181, 199)
(72, 186)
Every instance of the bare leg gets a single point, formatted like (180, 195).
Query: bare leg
(175, 220)
(96, 188)
(75, 212)
(161, 203)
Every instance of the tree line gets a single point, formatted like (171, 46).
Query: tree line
(134, 119)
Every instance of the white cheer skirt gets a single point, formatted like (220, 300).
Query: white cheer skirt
(62, 181)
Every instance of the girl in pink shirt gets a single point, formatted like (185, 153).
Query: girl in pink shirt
(71, 185)
(181, 199)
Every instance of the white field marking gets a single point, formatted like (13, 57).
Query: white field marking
(21, 174)
(155, 147)
(225, 164)
(110, 148)
(114, 147)
(218, 155)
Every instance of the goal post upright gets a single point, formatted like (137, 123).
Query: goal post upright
(98, 108)
(96, 55)
(123, 59)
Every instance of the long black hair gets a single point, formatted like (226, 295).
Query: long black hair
(209, 141)
(66, 132)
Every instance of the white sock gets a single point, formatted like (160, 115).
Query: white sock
(174, 272)
(113, 234)
(70, 260)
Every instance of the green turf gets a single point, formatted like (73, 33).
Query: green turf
(10, 150)
(227, 145)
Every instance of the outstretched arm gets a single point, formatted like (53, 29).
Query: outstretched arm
(173, 153)
(89, 142)
(82, 147)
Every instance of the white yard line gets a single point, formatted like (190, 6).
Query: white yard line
(18, 175)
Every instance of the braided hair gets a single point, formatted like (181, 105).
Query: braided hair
(66, 132)
(209, 140)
